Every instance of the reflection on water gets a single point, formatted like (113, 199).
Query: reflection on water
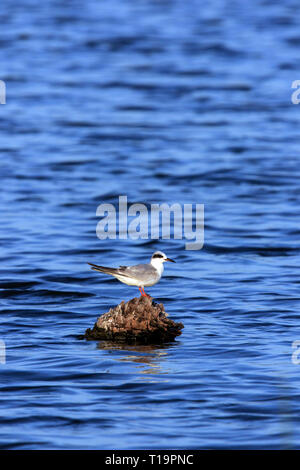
(149, 357)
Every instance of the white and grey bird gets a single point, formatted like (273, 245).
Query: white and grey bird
(140, 275)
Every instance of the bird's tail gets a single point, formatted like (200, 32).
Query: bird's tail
(104, 269)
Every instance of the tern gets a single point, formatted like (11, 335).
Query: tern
(140, 275)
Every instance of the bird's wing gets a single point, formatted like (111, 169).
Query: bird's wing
(126, 271)
(104, 269)
(143, 272)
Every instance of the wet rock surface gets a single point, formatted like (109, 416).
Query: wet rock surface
(139, 320)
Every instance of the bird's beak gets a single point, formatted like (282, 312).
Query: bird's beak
(168, 259)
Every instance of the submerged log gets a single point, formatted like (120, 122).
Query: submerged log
(139, 320)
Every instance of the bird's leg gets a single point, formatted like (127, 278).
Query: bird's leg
(144, 293)
(141, 291)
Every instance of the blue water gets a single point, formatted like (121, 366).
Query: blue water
(161, 101)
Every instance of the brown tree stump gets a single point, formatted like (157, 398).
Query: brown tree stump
(139, 320)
